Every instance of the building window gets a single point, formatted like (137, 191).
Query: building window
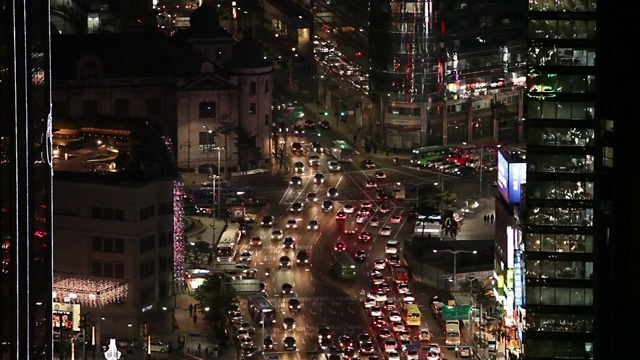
(59, 109)
(147, 269)
(266, 86)
(154, 105)
(107, 213)
(252, 88)
(121, 107)
(163, 264)
(266, 120)
(207, 110)
(252, 108)
(165, 239)
(165, 209)
(147, 243)
(107, 269)
(89, 107)
(147, 212)
(607, 157)
(207, 142)
(108, 244)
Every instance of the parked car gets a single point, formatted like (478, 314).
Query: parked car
(157, 346)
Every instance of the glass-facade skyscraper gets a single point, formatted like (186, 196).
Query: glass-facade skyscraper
(575, 257)
(26, 176)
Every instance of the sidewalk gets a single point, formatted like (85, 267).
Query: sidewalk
(473, 227)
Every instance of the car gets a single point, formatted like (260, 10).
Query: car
(464, 171)
(464, 351)
(393, 355)
(384, 333)
(377, 278)
(385, 208)
(425, 334)
(277, 234)
(269, 343)
(360, 256)
(333, 165)
(380, 264)
(391, 247)
(385, 230)
(298, 166)
(327, 206)
(340, 246)
(289, 323)
(384, 286)
(341, 215)
(393, 259)
(313, 225)
(245, 326)
(294, 304)
(367, 348)
(380, 175)
(245, 256)
(408, 298)
(318, 178)
(370, 184)
(297, 147)
(303, 258)
(389, 305)
(324, 124)
(374, 221)
(324, 332)
(317, 147)
(364, 338)
(361, 219)
(325, 343)
(365, 236)
(309, 123)
(333, 192)
(395, 219)
(368, 164)
(398, 326)
(381, 296)
(289, 243)
(284, 262)
(312, 197)
(365, 212)
(375, 310)
(368, 303)
(433, 347)
(296, 207)
(432, 355)
(345, 341)
(412, 354)
(156, 346)
(286, 289)
(349, 353)
(395, 315)
(267, 221)
(349, 208)
(403, 288)
(289, 343)
(295, 181)
(292, 223)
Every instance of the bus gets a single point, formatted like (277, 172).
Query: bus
(342, 151)
(427, 154)
(227, 246)
(343, 266)
(261, 310)
(414, 317)
(461, 154)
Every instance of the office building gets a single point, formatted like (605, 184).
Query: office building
(578, 199)
(25, 182)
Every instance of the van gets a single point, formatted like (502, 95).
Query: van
(314, 159)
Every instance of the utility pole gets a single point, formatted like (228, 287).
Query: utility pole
(481, 153)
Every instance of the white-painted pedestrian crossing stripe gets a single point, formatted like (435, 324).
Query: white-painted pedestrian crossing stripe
(303, 328)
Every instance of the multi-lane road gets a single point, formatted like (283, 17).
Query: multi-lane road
(325, 300)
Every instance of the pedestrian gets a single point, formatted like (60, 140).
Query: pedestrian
(199, 348)
(206, 352)
(491, 218)
(190, 309)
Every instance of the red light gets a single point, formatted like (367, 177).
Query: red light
(139, 21)
(358, 53)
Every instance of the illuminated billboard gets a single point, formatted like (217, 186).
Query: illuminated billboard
(511, 177)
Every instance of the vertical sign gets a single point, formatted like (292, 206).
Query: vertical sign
(511, 246)
(518, 283)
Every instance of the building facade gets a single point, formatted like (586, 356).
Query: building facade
(26, 176)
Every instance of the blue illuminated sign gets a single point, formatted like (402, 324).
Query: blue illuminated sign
(511, 176)
(518, 279)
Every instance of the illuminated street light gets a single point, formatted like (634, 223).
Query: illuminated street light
(455, 261)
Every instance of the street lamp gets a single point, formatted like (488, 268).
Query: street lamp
(209, 132)
(293, 53)
(440, 183)
(455, 261)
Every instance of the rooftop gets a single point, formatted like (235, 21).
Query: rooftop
(514, 155)
(110, 150)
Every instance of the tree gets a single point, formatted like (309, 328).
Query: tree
(197, 253)
(248, 153)
(215, 295)
(227, 128)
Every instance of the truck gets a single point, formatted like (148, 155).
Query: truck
(398, 191)
(452, 333)
(426, 228)
(400, 275)
(350, 226)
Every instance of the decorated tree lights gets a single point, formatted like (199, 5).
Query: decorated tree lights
(88, 292)
(178, 235)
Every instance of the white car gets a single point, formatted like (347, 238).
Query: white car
(380, 175)
(157, 346)
(360, 219)
(333, 165)
(368, 303)
(375, 222)
(403, 288)
(432, 355)
(385, 231)
(277, 234)
(391, 247)
(380, 264)
(393, 355)
(370, 184)
(313, 225)
(412, 355)
(465, 351)
(395, 316)
(381, 296)
(390, 344)
(375, 310)
(377, 278)
(292, 223)
(349, 208)
(245, 256)
(408, 298)
(398, 326)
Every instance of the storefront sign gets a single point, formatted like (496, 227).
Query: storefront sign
(518, 286)
(66, 316)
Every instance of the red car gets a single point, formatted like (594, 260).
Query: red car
(341, 215)
(340, 246)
